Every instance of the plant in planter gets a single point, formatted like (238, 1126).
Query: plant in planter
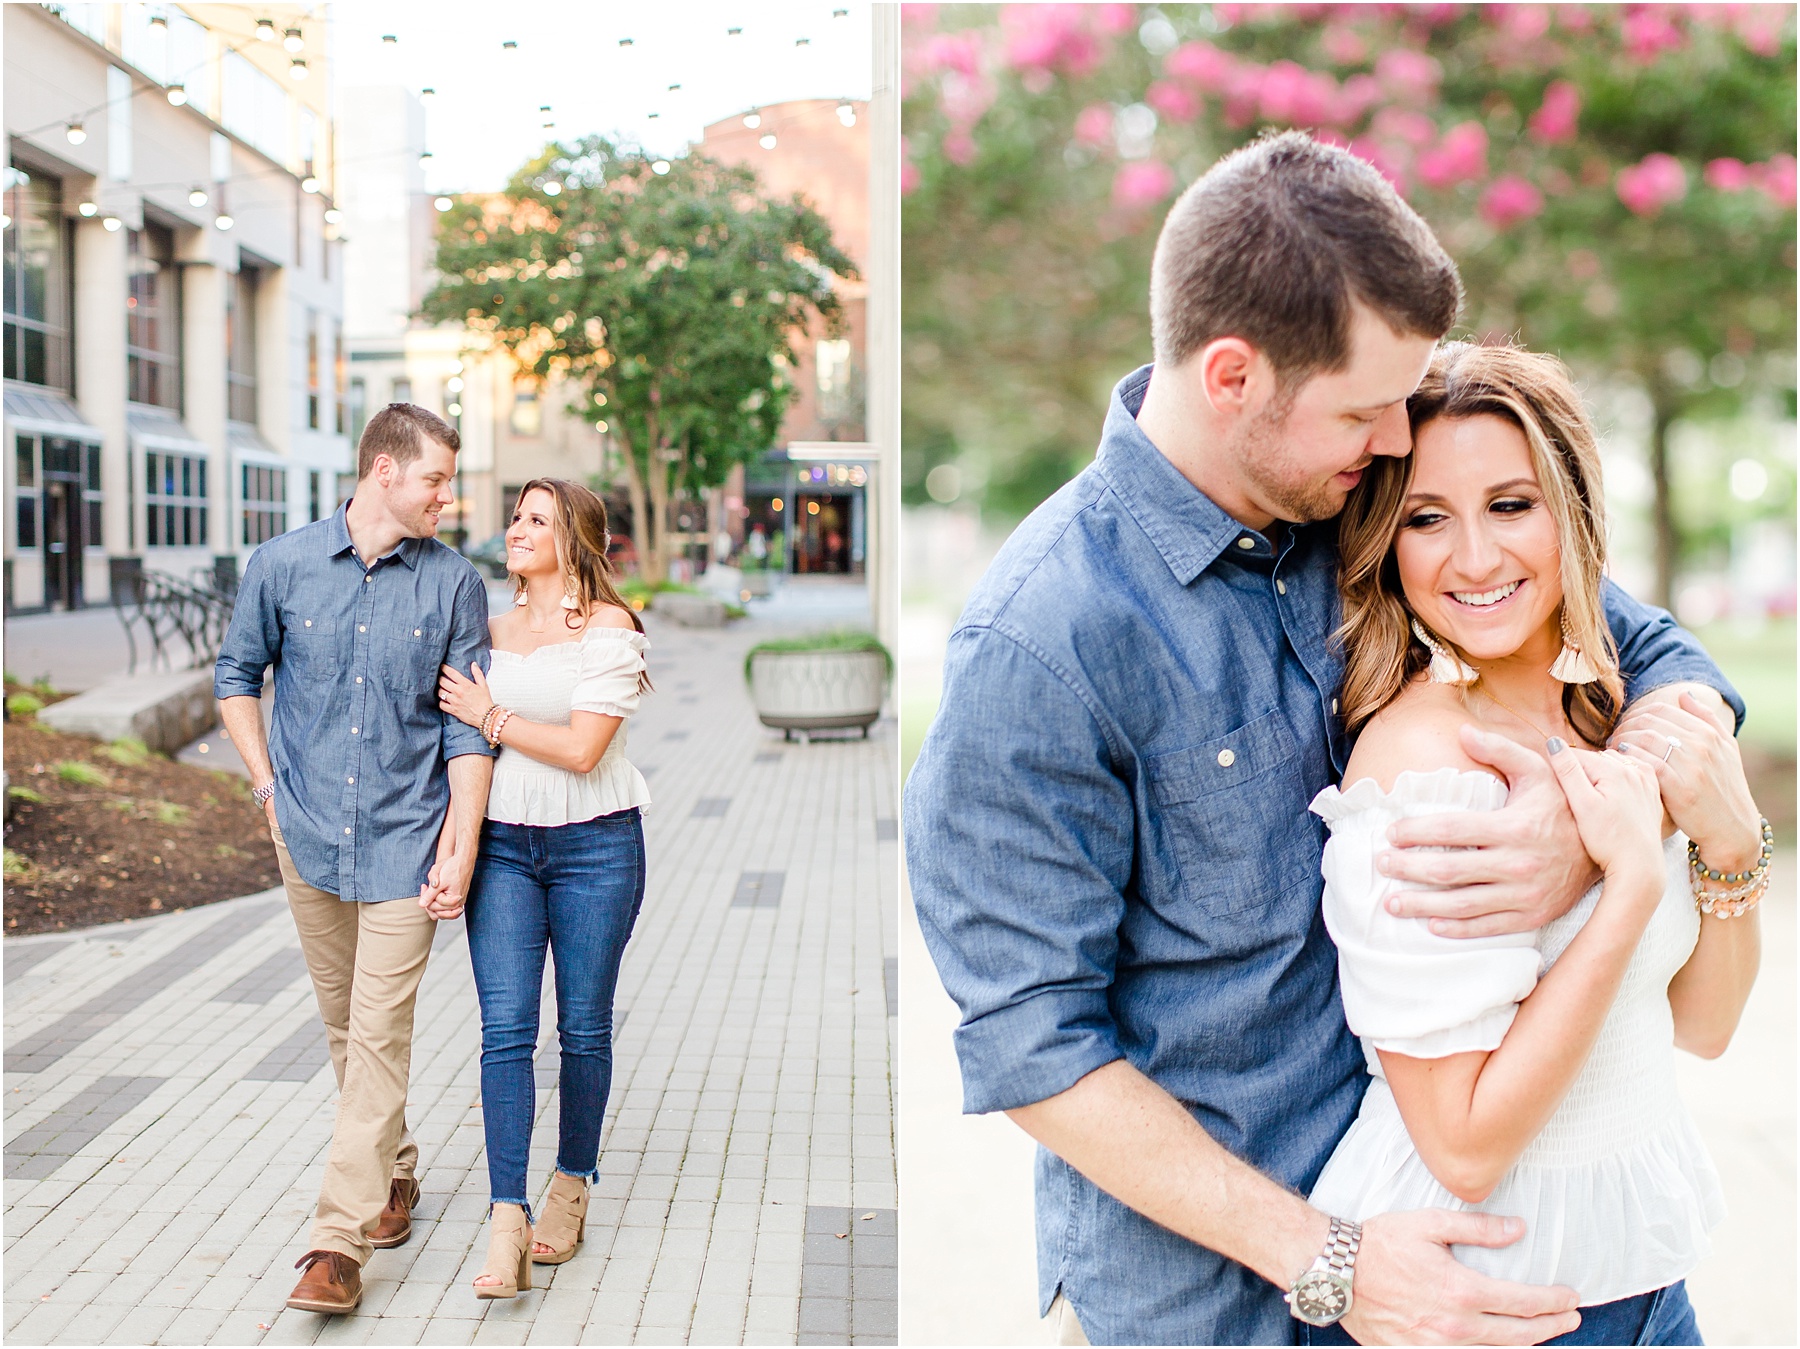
(827, 681)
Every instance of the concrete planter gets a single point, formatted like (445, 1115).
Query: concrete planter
(818, 690)
(759, 583)
(691, 611)
(166, 710)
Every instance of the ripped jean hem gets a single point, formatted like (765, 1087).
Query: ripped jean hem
(503, 1199)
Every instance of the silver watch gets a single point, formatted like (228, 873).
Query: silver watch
(265, 793)
(1321, 1296)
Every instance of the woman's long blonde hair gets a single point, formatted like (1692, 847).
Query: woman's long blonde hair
(1535, 393)
(581, 543)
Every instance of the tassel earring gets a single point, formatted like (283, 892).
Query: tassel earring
(1446, 668)
(571, 599)
(1572, 665)
(523, 599)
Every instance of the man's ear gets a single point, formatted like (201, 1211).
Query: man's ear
(1232, 374)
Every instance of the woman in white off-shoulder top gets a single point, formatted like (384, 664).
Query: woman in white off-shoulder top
(1533, 1075)
(562, 858)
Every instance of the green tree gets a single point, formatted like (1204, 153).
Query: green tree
(1615, 182)
(666, 300)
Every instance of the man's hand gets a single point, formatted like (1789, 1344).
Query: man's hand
(269, 810)
(1409, 1288)
(1526, 867)
(446, 887)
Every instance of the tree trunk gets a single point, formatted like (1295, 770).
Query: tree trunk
(640, 510)
(1662, 513)
(656, 559)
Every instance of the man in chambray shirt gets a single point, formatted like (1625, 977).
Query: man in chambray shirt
(1121, 888)
(374, 796)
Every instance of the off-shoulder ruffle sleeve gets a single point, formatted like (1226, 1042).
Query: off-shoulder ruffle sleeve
(612, 660)
(1405, 989)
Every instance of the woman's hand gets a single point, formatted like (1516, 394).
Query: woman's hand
(467, 701)
(1617, 806)
(1702, 779)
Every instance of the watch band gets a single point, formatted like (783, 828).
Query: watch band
(1341, 1245)
(265, 793)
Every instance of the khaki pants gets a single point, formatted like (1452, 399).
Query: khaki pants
(1062, 1319)
(366, 961)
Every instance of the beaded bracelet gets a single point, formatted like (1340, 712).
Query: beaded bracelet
(1747, 888)
(487, 722)
(499, 725)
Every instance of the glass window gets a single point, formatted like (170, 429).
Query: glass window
(37, 280)
(527, 413)
(153, 319)
(240, 345)
(265, 502)
(359, 409)
(27, 535)
(26, 459)
(312, 370)
(175, 500)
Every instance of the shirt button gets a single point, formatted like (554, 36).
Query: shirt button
(352, 781)
(353, 730)
(359, 679)
(309, 622)
(368, 580)
(1226, 758)
(360, 627)
(1246, 542)
(1334, 706)
(1281, 587)
(346, 831)
(418, 632)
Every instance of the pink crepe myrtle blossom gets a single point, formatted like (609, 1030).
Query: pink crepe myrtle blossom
(1510, 200)
(1094, 124)
(1355, 97)
(1409, 76)
(1651, 184)
(1388, 161)
(1648, 31)
(1778, 181)
(1522, 23)
(951, 51)
(1294, 95)
(1557, 116)
(1575, 18)
(1343, 45)
(1403, 124)
(959, 147)
(1176, 102)
(1142, 183)
(1115, 19)
(1728, 175)
(1202, 64)
(1460, 157)
(909, 177)
(1051, 38)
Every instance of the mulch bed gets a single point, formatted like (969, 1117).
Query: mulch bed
(146, 836)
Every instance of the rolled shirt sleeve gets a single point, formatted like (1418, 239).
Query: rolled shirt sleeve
(1656, 651)
(468, 646)
(1019, 839)
(253, 638)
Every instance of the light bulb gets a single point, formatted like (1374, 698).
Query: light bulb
(424, 155)
(265, 30)
(753, 120)
(768, 141)
(846, 114)
(660, 166)
(5, 221)
(111, 223)
(77, 133)
(298, 69)
(310, 183)
(600, 427)
(427, 92)
(197, 197)
(292, 40)
(177, 94)
(159, 20)
(87, 208)
(333, 216)
(224, 221)
(454, 384)
(443, 203)
(552, 188)
(455, 409)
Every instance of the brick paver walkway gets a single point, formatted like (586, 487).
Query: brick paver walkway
(169, 1102)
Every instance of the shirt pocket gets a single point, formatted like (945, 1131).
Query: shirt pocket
(410, 656)
(1230, 813)
(308, 643)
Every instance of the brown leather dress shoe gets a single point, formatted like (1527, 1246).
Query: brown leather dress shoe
(330, 1282)
(396, 1219)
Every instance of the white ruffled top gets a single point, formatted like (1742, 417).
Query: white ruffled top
(597, 673)
(1617, 1192)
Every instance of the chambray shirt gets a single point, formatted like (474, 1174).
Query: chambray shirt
(1111, 855)
(358, 743)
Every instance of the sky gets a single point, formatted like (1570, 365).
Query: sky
(485, 118)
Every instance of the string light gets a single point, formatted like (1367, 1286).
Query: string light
(298, 69)
(265, 30)
(846, 113)
(753, 120)
(77, 133)
(768, 141)
(333, 216)
(292, 40)
(424, 155)
(197, 196)
(88, 209)
(443, 203)
(223, 221)
(733, 32)
(158, 19)
(387, 39)
(112, 223)
(625, 42)
(177, 94)
(661, 166)
(427, 94)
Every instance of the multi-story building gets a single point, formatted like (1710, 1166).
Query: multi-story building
(175, 363)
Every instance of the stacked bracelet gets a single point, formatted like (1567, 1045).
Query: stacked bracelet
(487, 722)
(1746, 888)
(493, 735)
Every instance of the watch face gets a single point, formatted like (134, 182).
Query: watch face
(1320, 1297)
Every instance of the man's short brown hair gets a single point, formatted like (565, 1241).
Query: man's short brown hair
(1275, 242)
(398, 431)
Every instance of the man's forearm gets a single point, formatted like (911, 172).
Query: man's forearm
(470, 777)
(243, 721)
(1139, 1144)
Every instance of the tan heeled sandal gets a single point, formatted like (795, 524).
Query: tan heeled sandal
(563, 1223)
(509, 1254)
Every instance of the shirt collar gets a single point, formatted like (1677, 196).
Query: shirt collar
(338, 532)
(1188, 529)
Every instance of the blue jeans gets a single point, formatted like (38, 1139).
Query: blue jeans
(574, 889)
(1663, 1317)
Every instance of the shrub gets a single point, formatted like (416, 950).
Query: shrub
(24, 705)
(129, 752)
(841, 639)
(79, 774)
(25, 794)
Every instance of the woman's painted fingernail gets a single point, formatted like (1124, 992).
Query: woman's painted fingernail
(1556, 744)
(1393, 904)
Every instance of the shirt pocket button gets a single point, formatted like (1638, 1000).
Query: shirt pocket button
(1226, 758)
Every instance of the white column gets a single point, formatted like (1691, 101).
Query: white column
(883, 410)
(203, 394)
(101, 290)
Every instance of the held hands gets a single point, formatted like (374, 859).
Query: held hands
(1702, 778)
(1409, 1288)
(1616, 803)
(446, 886)
(466, 700)
(1519, 867)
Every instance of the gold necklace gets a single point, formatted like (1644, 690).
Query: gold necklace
(1506, 706)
